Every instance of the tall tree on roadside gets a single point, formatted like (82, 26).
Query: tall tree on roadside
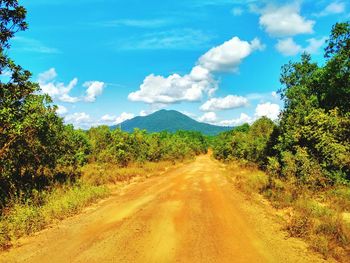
(30, 130)
(315, 123)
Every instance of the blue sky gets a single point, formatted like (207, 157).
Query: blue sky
(218, 61)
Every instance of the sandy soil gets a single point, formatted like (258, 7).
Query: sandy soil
(191, 214)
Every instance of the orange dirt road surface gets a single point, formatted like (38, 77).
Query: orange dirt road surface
(190, 214)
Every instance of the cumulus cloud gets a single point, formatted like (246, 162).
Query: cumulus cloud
(267, 109)
(108, 118)
(57, 90)
(243, 118)
(61, 110)
(284, 21)
(84, 120)
(94, 89)
(229, 55)
(200, 81)
(333, 9)
(288, 47)
(112, 119)
(77, 118)
(175, 88)
(143, 113)
(123, 117)
(209, 117)
(315, 45)
(226, 103)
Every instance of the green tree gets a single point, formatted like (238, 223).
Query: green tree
(32, 141)
(315, 121)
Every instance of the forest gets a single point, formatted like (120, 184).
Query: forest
(49, 170)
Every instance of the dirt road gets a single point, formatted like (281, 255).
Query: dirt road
(191, 214)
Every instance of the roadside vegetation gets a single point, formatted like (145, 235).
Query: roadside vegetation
(306, 154)
(49, 170)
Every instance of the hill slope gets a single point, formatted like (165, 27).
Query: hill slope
(169, 120)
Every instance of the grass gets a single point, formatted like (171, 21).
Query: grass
(100, 174)
(248, 178)
(316, 216)
(46, 207)
(24, 219)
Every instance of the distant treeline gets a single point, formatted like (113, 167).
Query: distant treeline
(311, 140)
(54, 155)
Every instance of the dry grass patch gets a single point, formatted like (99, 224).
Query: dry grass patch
(314, 215)
(99, 174)
(24, 219)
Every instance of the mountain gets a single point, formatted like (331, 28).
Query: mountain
(169, 120)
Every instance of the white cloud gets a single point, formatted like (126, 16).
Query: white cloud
(112, 119)
(78, 118)
(267, 109)
(237, 11)
(209, 117)
(61, 110)
(243, 118)
(200, 81)
(143, 113)
(48, 75)
(172, 89)
(67, 98)
(274, 95)
(60, 91)
(56, 90)
(108, 118)
(285, 21)
(226, 103)
(94, 89)
(123, 117)
(288, 47)
(333, 9)
(229, 55)
(315, 45)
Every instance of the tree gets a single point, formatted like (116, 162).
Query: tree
(31, 134)
(315, 121)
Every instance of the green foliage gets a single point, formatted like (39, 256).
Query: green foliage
(122, 148)
(315, 126)
(249, 143)
(33, 140)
